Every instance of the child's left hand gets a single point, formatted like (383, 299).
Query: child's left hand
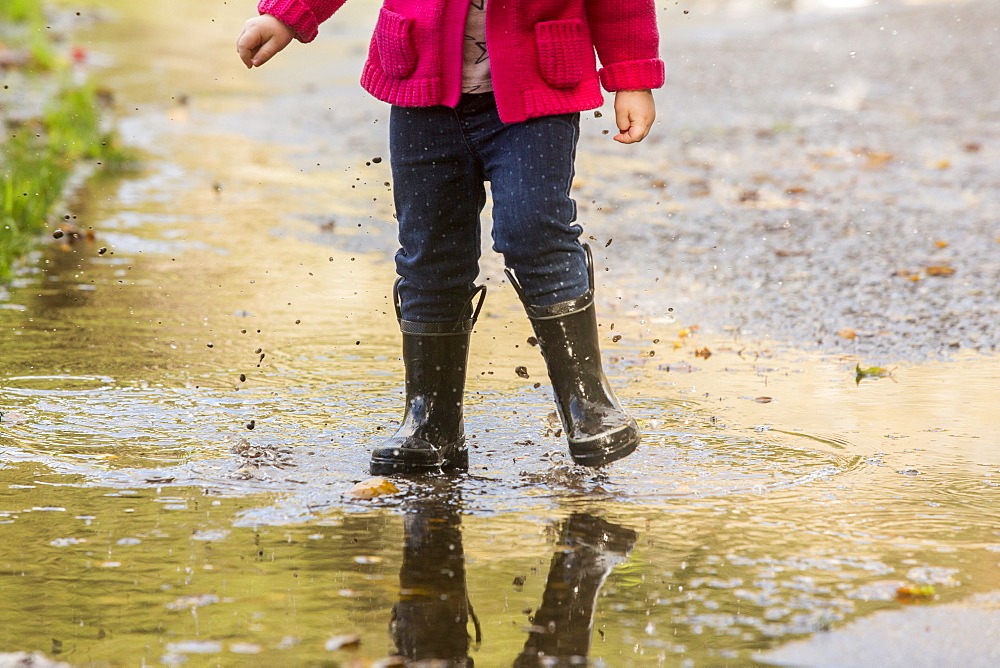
(634, 114)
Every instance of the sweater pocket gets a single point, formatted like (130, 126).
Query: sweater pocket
(394, 40)
(563, 49)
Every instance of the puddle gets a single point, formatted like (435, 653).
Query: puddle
(774, 496)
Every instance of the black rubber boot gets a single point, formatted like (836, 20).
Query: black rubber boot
(430, 621)
(432, 436)
(589, 548)
(597, 428)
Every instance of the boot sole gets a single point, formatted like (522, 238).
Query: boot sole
(390, 466)
(608, 448)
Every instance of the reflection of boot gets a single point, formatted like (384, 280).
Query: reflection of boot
(589, 548)
(429, 621)
(432, 436)
(598, 430)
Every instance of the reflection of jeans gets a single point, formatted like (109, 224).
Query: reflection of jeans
(429, 621)
(441, 158)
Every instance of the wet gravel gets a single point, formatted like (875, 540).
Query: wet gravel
(821, 180)
(829, 181)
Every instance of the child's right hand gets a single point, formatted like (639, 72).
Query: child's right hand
(262, 37)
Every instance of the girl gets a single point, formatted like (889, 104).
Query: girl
(491, 91)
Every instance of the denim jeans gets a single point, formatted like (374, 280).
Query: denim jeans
(441, 159)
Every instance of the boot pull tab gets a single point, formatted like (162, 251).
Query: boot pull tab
(516, 285)
(396, 302)
(480, 292)
(590, 276)
(590, 266)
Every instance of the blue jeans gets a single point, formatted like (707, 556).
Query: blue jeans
(441, 158)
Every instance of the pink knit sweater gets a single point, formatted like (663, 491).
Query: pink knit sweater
(541, 51)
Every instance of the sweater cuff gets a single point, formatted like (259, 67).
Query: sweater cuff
(296, 14)
(633, 75)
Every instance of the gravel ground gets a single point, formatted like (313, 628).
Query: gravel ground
(817, 176)
(812, 174)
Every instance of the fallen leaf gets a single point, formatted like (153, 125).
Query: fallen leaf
(941, 243)
(847, 333)
(340, 642)
(791, 253)
(688, 331)
(763, 400)
(871, 372)
(373, 487)
(875, 160)
(940, 270)
(704, 353)
(915, 594)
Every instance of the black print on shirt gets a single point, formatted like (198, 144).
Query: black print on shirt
(482, 49)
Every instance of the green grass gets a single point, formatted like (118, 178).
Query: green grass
(22, 11)
(37, 156)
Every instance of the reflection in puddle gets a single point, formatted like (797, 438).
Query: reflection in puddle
(587, 550)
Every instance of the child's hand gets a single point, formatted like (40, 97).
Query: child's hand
(634, 114)
(262, 37)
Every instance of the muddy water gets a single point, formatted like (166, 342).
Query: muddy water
(142, 520)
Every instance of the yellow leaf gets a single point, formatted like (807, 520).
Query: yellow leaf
(373, 487)
(941, 243)
(847, 333)
(871, 372)
(915, 593)
(875, 160)
(940, 270)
